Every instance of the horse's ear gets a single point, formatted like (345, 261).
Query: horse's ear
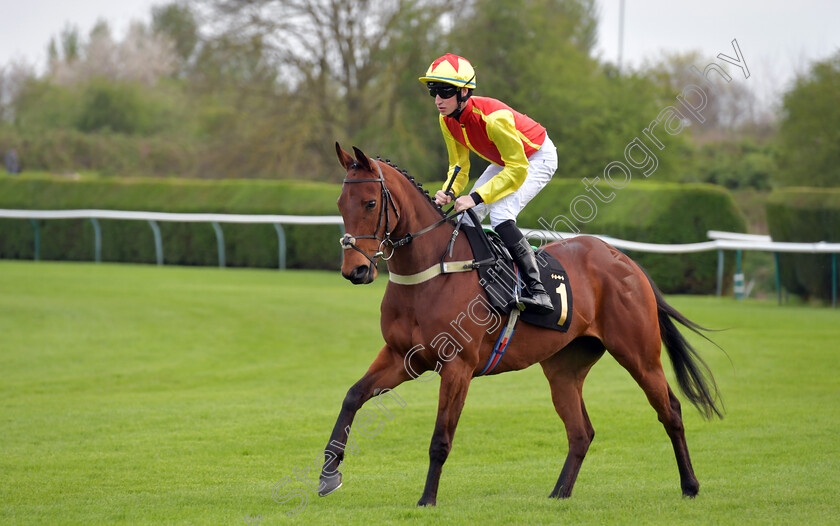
(343, 157)
(362, 159)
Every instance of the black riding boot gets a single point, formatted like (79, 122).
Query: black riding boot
(534, 297)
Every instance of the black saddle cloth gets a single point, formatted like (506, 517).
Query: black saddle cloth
(500, 278)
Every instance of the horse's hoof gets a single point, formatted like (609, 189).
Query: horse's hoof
(561, 493)
(691, 489)
(424, 503)
(329, 484)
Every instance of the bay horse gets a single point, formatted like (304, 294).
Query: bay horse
(617, 308)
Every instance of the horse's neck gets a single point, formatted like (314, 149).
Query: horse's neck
(426, 249)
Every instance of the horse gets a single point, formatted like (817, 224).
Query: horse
(617, 309)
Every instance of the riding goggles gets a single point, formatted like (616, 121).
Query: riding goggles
(446, 91)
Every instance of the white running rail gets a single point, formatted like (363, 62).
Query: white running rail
(720, 241)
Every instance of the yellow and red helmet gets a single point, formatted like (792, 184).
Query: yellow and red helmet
(451, 69)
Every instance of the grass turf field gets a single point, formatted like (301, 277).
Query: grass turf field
(145, 395)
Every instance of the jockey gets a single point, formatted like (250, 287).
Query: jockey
(522, 161)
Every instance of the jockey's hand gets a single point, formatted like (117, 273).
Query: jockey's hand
(442, 198)
(464, 202)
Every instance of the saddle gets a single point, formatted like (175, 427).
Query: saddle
(499, 277)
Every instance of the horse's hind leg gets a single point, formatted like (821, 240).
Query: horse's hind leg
(676, 431)
(648, 373)
(566, 371)
(386, 372)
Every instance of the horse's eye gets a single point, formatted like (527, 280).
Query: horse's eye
(370, 204)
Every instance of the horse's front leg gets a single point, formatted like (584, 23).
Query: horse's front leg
(386, 372)
(454, 383)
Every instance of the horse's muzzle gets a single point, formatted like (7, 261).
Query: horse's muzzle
(361, 275)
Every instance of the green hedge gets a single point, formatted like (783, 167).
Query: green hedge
(646, 211)
(252, 245)
(805, 215)
(67, 150)
(643, 211)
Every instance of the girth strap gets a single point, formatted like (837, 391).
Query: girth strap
(437, 269)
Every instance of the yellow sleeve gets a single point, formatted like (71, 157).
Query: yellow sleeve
(501, 129)
(458, 155)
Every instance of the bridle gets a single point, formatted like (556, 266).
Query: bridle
(386, 203)
(348, 241)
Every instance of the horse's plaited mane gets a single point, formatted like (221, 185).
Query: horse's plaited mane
(416, 184)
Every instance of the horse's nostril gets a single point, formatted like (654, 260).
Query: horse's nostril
(358, 275)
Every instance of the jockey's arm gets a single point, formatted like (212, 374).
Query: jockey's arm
(459, 155)
(501, 129)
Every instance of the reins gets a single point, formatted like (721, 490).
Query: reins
(349, 241)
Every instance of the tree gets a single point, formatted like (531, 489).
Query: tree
(14, 78)
(536, 56)
(727, 149)
(103, 85)
(177, 21)
(403, 123)
(70, 43)
(809, 131)
(251, 126)
(142, 56)
(333, 52)
(734, 164)
(731, 105)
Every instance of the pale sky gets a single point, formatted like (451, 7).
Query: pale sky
(27, 26)
(777, 37)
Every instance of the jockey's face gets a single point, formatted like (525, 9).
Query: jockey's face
(447, 106)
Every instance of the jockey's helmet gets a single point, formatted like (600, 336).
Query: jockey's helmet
(450, 69)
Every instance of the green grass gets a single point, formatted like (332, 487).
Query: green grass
(145, 395)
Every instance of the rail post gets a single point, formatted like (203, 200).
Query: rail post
(739, 277)
(281, 246)
(97, 240)
(834, 280)
(220, 241)
(37, 255)
(158, 241)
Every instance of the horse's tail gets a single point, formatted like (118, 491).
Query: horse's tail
(693, 374)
